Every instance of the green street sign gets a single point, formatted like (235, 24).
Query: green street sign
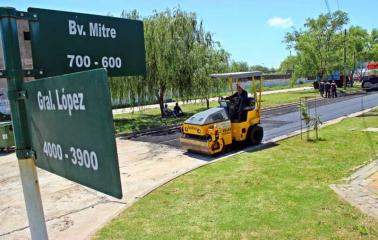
(71, 129)
(66, 42)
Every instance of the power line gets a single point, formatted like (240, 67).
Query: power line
(327, 4)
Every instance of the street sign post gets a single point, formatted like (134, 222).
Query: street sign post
(14, 75)
(66, 42)
(71, 129)
(63, 124)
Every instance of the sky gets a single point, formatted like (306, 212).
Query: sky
(250, 30)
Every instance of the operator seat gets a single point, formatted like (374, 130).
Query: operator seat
(250, 104)
(234, 116)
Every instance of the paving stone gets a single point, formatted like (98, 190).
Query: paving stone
(362, 190)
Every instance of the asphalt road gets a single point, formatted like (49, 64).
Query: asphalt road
(282, 122)
(277, 125)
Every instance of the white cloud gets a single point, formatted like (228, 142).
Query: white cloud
(280, 22)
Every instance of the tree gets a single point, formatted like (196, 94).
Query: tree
(371, 53)
(288, 64)
(132, 90)
(239, 66)
(319, 45)
(357, 44)
(169, 37)
(180, 54)
(212, 61)
(261, 68)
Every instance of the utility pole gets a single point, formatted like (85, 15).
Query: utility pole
(344, 75)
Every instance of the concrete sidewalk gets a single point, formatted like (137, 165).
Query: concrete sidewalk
(361, 189)
(172, 104)
(76, 212)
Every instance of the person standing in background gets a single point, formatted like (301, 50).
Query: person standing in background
(333, 89)
(327, 87)
(321, 88)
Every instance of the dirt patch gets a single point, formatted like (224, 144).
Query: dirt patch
(64, 224)
(374, 182)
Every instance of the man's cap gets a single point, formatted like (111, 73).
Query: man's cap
(239, 85)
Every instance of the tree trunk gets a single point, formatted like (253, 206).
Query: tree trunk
(207, 102)
(354, 69)
(351, 80)
(161, 100)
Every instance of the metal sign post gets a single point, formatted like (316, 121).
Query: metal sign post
(14, 75)
(64, 123)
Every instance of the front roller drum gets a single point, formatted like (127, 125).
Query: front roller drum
(202, 146)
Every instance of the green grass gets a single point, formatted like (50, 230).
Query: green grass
(356, 88)
(277, 193)
(287, 87)
(130, 122)
(287, 97)
(149, 118)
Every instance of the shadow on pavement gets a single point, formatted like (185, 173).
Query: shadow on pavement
(7, 152)
(234, 150)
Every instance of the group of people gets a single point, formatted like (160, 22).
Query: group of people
(328, 89)
(177, 111)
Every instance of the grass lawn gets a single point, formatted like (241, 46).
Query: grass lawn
(356, 88)
(287, 86)
(136, 121)
(277, 193)
(287, 97)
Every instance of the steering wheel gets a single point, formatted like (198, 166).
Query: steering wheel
(235, 100)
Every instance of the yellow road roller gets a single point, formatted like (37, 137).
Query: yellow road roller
(232, 123)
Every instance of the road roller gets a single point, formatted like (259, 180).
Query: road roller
(211, 131)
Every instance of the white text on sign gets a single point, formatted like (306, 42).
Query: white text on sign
(80, 61)
(95, 30)
(78, 157)
(69, 102)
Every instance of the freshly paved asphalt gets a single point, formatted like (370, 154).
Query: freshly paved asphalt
(283, 122)
(277, 125)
